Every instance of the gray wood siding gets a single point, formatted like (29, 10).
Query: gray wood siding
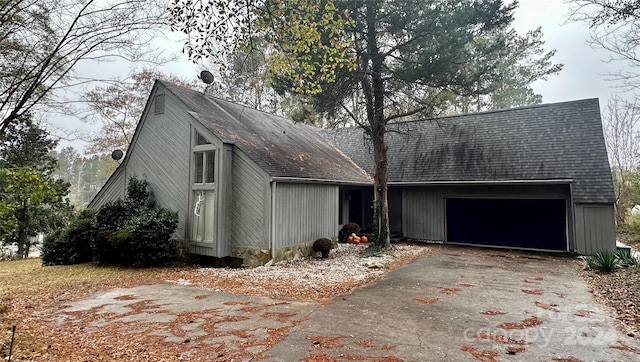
(305, 212)
(113, 189)
(423, 211)
(161, 153)
(250, 206)
(595, 228)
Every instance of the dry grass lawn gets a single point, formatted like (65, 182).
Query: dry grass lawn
(30, 294)
(28, 290)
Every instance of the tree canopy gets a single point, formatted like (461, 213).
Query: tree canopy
(85, 174)
(375, 61)
(31, 199)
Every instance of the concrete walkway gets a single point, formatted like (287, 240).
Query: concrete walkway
(466, 304)
(456, 304)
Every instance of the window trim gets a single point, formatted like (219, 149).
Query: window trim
(204, 149)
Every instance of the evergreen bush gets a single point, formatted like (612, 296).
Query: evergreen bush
(149, 243)
(133, 231)
(113, 215)
(72, 244)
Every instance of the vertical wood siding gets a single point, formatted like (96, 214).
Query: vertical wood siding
(112, 190)
(423, 213)
(305, 212)
(595, 228)
(161, 154)
(249, 226)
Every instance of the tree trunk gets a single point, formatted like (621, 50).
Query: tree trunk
(27, 247)
(5, 124)
(22, 239)
(380, 202)
(378, 129)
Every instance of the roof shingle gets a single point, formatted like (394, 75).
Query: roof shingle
(544, 142)
(279, 146)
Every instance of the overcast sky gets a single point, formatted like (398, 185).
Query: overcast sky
(584, 70)
(584, 73)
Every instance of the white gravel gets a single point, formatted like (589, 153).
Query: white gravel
(307, 278)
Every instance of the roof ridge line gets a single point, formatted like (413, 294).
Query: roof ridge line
(533, 106)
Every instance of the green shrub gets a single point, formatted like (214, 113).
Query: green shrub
(150, 244)
(626, 258)
(72, 244)
(132, 231)
(139, 197)
(113, 215)
(633, 224)
(348, 229)
(56, 250)
(604, 260)
(81, 232)
(110, 247)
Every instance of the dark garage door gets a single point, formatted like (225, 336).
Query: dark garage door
(519, 223)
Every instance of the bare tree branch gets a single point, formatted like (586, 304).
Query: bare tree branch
(42, 45)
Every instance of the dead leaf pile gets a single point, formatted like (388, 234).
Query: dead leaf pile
(620, 292)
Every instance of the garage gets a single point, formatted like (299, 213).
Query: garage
(517, 223)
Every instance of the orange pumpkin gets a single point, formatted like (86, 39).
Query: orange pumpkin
(350, 239)
(356, 240)
(363, 239)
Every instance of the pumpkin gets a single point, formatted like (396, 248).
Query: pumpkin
(363, 239)
(350, 239)
(356, 240)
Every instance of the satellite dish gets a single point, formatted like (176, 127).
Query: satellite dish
(206, 77)
(117, 154)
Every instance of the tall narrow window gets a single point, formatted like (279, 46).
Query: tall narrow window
(204, 194)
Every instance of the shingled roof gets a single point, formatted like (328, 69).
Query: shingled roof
(279, 146)
(544, 142)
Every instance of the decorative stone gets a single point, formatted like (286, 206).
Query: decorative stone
(251, 257)
(373, 264)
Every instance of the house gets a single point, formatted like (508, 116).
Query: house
(530, 178)
(245, 183)
(255, 186)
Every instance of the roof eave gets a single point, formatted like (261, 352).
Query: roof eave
(319, 181)
(482, 182)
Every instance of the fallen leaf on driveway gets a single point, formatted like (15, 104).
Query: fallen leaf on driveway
(529, 322)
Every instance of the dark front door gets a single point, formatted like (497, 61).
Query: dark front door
(355, 206)
(518, 223)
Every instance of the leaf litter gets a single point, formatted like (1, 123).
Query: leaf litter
(32, 294)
